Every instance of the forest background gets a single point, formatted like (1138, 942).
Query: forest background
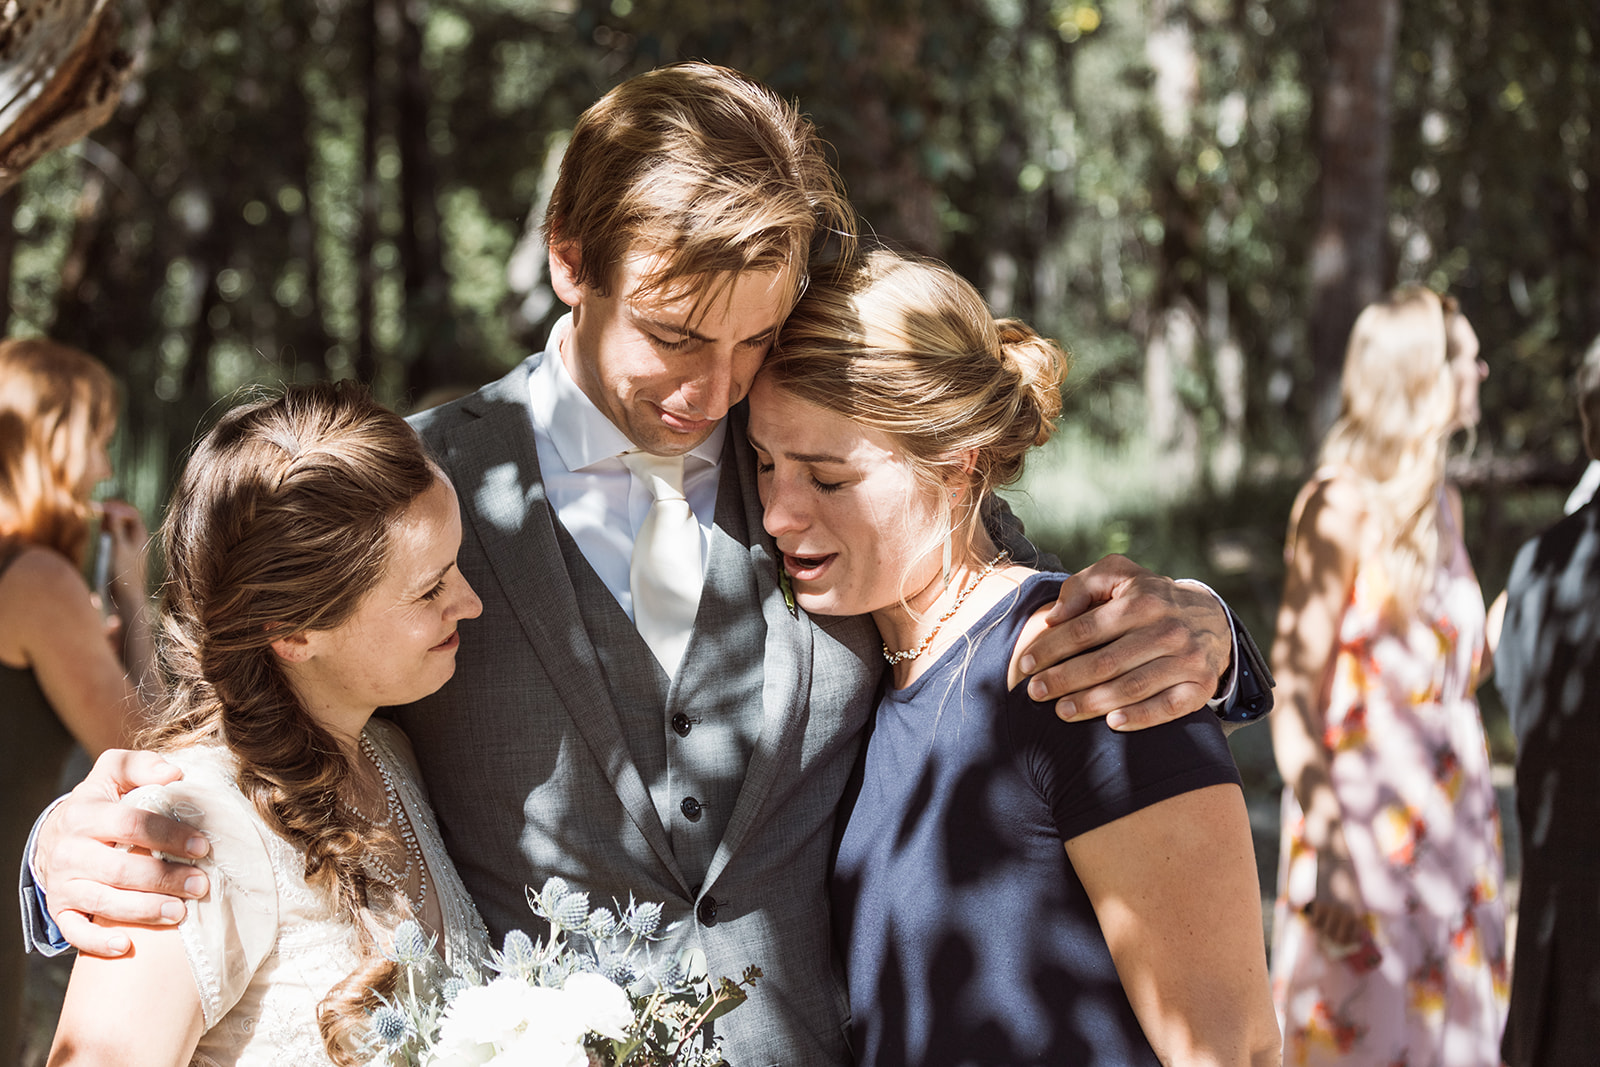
(1194, 196)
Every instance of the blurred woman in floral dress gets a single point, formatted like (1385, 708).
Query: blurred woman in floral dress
(1389, 935)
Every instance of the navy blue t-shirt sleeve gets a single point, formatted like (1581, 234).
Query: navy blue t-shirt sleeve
(1089, 774)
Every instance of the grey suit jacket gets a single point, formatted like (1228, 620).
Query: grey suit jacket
(525, 756)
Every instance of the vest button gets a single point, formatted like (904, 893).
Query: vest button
(691, 809)
(707, 911)
(681, 724)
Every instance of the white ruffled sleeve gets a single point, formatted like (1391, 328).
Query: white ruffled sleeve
(229, 932)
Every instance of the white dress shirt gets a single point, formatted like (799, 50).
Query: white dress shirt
(593, 495)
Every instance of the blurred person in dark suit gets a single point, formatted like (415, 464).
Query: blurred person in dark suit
(1548, 672)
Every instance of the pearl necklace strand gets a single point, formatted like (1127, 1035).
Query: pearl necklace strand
(376, 865)
(961, 598)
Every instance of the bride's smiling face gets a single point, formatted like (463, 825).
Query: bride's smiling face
(854, 523)
(400, 644)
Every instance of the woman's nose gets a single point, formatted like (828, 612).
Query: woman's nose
(468, 606)
(781, 516)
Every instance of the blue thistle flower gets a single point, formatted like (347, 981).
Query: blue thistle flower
(452, 987)
(618, 969)
(411, 946)
(391, 1026)
(518, 949)
(571, 911)
(669, 973)
(602, 924)
(643, 919)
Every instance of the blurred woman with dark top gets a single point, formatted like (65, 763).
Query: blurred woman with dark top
(61, 680)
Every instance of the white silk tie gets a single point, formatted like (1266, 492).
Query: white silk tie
(665, 574)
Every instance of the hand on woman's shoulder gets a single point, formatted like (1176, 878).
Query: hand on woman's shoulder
(153, 1004)
(234, 925)
(208, 799)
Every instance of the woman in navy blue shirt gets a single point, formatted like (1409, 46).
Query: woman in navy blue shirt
(893, 405)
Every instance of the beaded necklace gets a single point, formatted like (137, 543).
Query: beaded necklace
(376, 865)
(961, 598)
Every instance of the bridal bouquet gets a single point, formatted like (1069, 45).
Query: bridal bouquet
(594, 994)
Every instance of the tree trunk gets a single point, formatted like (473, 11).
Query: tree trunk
(8, 251)
(1043, 243)
(88, 218)
(1174, 353)
(209, 249)
(892, 191)
(309, 334)
(366, 361)
(1172, 357)
(427, 349)
(1591, 299)
(1348, 260)
(61, 73)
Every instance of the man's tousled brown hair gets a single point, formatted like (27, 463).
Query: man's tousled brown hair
(704, 167)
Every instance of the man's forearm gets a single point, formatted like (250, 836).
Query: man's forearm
(1244, 694)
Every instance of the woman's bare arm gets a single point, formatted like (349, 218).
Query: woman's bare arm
(1324, 543)
(137, 1010)
(49, 624)
(130, 595)
(1495, 614)
(1174, 888)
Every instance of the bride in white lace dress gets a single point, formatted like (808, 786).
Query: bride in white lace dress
(311, 549)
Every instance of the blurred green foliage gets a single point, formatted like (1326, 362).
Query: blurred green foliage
(300, 188)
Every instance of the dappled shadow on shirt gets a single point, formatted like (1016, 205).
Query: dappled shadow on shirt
(991, 955)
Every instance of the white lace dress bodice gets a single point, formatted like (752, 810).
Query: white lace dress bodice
(264, 947)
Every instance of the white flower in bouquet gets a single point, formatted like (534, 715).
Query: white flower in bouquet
(593, 995)
(604, 1007)
(539, 1026)
(485, 1020)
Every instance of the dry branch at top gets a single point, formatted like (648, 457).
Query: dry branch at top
(61, 72)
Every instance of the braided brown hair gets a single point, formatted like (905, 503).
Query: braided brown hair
(280, 524)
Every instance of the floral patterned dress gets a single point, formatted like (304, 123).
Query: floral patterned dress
(1427, 986)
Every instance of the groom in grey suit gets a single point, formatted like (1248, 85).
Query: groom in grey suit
(563, 747)
(689, 204)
